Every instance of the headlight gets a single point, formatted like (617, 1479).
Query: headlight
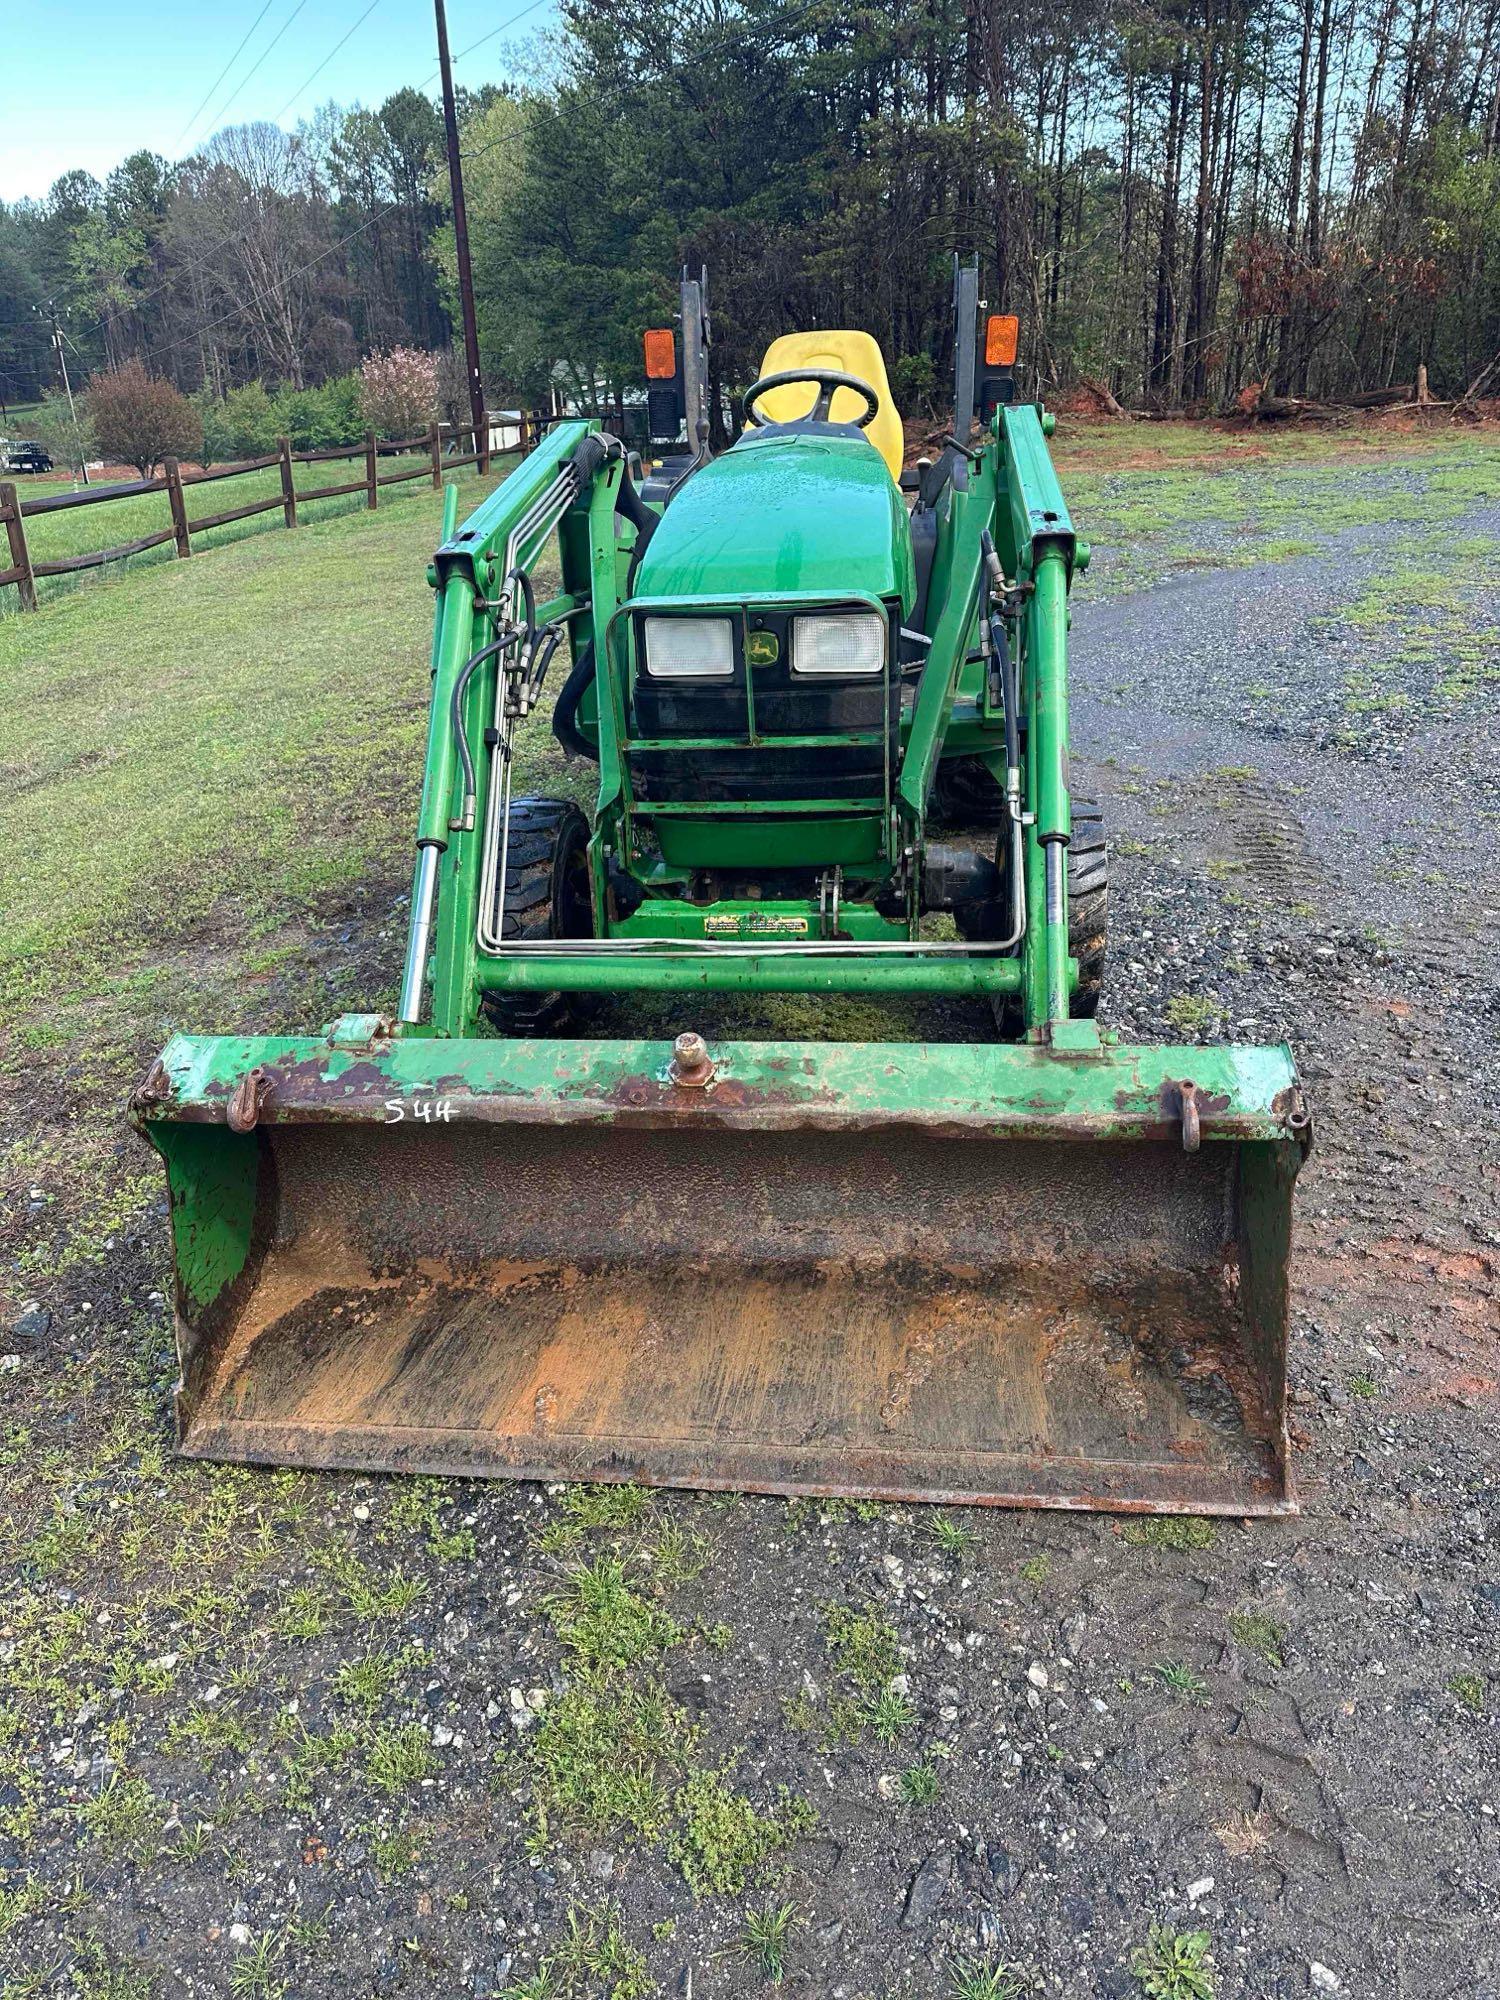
(689, 649)
(843, 642)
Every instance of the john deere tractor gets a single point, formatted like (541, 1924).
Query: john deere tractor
(1037, 1266)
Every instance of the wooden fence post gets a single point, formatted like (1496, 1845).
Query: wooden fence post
(372, 490)
(172, 473)
(288, 484)
(20, 557)
(435, 446)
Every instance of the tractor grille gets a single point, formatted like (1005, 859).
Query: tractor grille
(863, 716)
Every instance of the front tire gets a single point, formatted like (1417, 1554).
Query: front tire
(546, 896)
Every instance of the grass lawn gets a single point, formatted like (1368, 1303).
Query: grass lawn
(80, 530)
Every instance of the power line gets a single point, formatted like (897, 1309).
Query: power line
(488, 38)
(240, 87)
(326, 61)
(225, 70)
(257, 298)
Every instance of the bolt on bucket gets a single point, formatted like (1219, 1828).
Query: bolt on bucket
(906, 1272)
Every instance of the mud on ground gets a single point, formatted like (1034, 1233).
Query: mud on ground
(324, 1735)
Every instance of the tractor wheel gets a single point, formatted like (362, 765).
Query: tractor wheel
(1088, 918)
(546, 896)
(966, 793)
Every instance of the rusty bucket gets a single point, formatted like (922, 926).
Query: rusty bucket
(952, 1274)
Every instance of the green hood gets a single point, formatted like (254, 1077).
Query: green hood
(784, 511)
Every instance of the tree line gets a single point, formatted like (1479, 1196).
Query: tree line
(1184, 200)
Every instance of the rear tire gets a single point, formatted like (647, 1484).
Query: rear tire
(546, 896)
(1088, 919)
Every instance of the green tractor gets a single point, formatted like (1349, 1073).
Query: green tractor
(1042, 1268)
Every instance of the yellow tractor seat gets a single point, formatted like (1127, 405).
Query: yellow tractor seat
(852, 354)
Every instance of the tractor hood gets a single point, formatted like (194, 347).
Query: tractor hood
(784, 510)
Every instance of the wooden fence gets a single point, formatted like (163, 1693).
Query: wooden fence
(174, 482)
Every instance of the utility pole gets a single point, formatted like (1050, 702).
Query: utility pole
(62, 362)
(477, 410)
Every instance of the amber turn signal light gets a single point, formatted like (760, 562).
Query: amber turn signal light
(661, 354)
(1002, 331)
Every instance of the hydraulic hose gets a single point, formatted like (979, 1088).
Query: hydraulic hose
(465, 821)
(565, 714)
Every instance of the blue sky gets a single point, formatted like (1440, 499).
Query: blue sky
(84, 82)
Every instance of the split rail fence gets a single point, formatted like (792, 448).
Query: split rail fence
(15, 510)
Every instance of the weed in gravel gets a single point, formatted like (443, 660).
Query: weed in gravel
(1469, 1689)
(1260, 1635)
(603, 1622)
(367, 1595)
(93, 1977)
(17, 1904)
(585, 1508)
(594, 1959)
(953, 1537)
(919, 1783)
(1183, 1682)
(399, 1758)
(370, 1681)
(1246, 1834)
(208, 1729)
(765, 1938)
(601, 1753)
(889, 1714)
(1192, 1013)
(984, 1979)
(418, 1509)
(313, 1757)
(253, 1973)
(1174, 1965)
(126, 1818)
(1363, 1385)
(1036, 1570)
(395, 1852)
(677, 1556)
(863, 1644)
(1179, 1532)
(722, 1841)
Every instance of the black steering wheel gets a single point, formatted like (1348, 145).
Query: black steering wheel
(827, 379)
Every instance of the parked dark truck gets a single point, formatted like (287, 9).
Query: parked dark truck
(1048, 1269)
(24, 455)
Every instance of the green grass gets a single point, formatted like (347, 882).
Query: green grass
(765, 1938)
(1260, 1635)
(722, 1842)
(106, 524)
(1179, 1532)
(984, 1979)
(1469, 1689)
(1182, 1682)
(919, 1783)
(594, 1960)
(1154, 499)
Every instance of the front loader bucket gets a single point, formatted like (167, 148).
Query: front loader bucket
(909, 1272)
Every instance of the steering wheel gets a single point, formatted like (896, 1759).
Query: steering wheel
(827, 379)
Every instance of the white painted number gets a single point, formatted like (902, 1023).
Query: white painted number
(425, 1110)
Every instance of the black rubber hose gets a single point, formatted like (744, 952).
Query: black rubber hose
(565, 714)
(1009, 690)
(456, 714)
(550, 639)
